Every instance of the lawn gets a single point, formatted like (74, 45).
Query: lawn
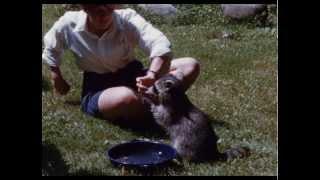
(237, 85)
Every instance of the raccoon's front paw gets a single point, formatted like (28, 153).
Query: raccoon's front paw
(237, 152)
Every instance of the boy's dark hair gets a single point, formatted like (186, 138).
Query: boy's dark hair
(93, 6)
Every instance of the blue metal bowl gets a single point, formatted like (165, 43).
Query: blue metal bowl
(141, 154)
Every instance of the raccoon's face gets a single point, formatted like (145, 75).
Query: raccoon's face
(164, 89)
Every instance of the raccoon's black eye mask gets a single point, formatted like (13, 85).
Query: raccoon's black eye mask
(155, 89)
(168, 84)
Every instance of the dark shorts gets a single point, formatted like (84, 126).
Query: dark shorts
(94, 84)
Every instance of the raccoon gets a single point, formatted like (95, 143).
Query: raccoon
(189, 128)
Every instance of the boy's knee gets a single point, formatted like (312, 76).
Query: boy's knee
(193, 65)
(126, 97)
(116, 98)
(117, 102)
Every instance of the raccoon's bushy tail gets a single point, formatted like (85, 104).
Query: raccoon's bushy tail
(235, 152)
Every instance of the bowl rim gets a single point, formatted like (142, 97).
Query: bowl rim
(174, 154)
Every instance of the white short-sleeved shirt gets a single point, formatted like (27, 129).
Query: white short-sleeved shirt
(113, 50)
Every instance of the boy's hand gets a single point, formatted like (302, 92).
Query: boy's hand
(61, 86)
(144, 82)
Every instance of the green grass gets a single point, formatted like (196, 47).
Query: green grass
(237, 85)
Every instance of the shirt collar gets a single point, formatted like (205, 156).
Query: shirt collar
(114, 27)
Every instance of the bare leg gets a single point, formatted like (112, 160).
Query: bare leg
(122, 104)
(189, 67)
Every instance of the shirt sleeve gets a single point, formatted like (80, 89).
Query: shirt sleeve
(54, 44)
(152, 41)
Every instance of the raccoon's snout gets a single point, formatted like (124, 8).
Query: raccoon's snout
(152, 93)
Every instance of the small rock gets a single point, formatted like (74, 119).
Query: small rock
(106, 142)
(227, 35)
(71, 7)
(166, 10)
(240, 11)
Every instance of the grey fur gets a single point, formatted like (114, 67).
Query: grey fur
(188, 127)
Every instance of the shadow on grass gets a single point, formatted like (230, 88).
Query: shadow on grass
(53, 164)
(145, 128)
(73, 102)
(45, 84)
(149, 130)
